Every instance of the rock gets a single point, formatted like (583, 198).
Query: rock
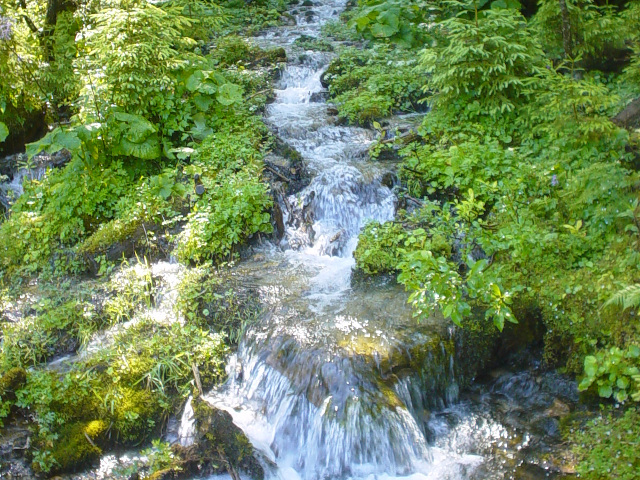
(558, 409)
(115, 239)
(278, 221)
(630, 116)
(219, 446)
(12, 381)
(323, 79)
(9, 165)
(389, 180)
(546, 427)
(15, 470)
(318, 97)
(286, 167)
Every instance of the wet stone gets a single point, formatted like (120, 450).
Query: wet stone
(219, 446)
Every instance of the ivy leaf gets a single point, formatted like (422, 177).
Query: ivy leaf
(54, 141)
(229, 93)
(362, 22)
(194, 81)
(4, 132)
(622, 383)
(605, 391)
(147, 150)
(203, 102)
(585, 384)
(590, 366)
(200, 130)
(621, 396)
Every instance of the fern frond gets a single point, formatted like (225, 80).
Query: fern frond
(628, 297)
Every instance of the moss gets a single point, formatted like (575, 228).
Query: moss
(233, 49)
(136, 415)
(111, 233)
(476, 347)
(76, 445)
(165, 474)
(391, 399)
(12, 381)
(219, 438)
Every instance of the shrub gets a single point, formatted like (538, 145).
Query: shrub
(370, 84)
(235, 204)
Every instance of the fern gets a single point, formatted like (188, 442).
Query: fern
(628, 297)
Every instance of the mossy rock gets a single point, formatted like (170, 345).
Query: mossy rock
(171, 473)
(218, 438)
(12, 381)
(234, 49)
(77, 445)
(136, 415)
(114, 240)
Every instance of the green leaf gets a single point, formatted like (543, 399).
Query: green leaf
(621, 396)
(590, 366)
(622, 383)
(4, 132)
(382, 30)
(194, 81)
(203, 102)
(229, 93)
(147, 150)
(585, 384)
(456, 318)
(605, 391)
(137, 129)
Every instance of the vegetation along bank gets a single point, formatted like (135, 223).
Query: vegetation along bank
(138, 128)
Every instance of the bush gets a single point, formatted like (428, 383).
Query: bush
(206, 298)
(370, 84)
(380, 247)
(52, 330)
(235, 203)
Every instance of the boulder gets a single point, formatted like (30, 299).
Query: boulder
(220, 446)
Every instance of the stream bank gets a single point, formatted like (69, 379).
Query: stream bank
(335, 379)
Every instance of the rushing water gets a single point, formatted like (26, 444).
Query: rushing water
(337, 381)
(321, 385)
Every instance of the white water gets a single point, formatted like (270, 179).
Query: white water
(299, 386)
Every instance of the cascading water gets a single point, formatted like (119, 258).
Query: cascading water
(312, 384)
(337, 381)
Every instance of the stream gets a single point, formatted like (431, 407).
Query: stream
(338, 380)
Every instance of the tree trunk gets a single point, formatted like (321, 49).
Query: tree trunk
(567, 41)
(53, 8)
(630, 116)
